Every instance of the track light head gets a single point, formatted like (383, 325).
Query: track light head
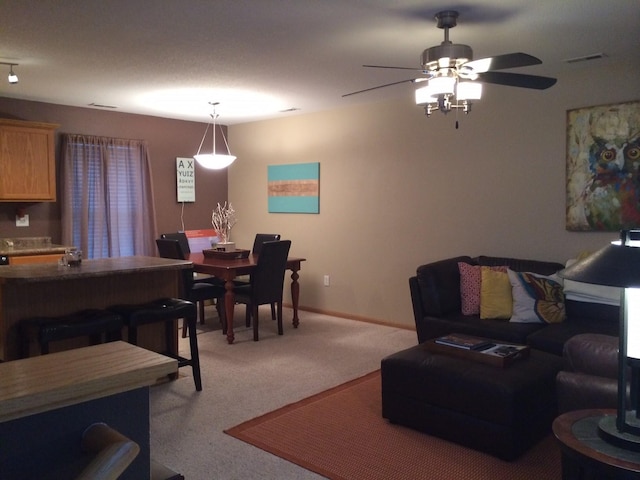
(13, 78)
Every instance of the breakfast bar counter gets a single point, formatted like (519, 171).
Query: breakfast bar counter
(48, 404)
(51, 290)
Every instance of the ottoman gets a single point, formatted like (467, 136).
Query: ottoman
(500, 411)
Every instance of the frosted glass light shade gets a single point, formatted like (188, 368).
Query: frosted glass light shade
(423, 96)
(442, 86)
(214, 161)
(469, 91)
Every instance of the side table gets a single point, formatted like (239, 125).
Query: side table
(585, 456)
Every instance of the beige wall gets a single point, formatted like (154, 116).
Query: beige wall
(398, 189)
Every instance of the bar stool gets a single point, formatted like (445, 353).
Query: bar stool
(98, 325)
(166, 310)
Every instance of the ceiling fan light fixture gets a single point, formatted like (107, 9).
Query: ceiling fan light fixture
(214, 160)
(454, 79)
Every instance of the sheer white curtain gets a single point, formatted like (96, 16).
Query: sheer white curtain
(107, 196)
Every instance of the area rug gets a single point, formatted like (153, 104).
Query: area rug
(340, 434)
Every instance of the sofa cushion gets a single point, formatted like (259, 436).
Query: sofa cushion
(473, 325)
(495, 294)
(552, 337)
(536, 298)
(439, 285)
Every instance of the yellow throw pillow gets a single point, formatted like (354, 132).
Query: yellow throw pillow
(495, 294)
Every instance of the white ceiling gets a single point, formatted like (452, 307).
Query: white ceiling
(169, 58)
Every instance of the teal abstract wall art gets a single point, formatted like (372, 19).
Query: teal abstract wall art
(294, 188)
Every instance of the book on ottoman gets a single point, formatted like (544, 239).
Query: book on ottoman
(477, 349)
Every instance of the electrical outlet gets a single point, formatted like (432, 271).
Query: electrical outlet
(22, 221)
(327, 280)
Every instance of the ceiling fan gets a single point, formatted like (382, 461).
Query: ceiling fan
(454, 78)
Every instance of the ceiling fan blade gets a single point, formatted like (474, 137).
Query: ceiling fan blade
(501, 62)
(394, 68)
(517, 80)
(379, 86)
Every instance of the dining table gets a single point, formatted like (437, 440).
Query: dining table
(228, 269)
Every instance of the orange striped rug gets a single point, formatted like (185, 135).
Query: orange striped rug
(340, 434)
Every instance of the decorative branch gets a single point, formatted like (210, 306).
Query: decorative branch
(223, 219)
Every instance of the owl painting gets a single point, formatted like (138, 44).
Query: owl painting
(603, 168)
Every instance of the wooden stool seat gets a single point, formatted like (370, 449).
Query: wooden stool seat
(98, 325)
(166, 310)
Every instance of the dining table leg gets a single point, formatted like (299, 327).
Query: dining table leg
(229, 303)
(295, 295)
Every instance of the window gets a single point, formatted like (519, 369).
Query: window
(107, 196)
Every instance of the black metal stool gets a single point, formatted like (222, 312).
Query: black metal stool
(165, 310)
(98, 325)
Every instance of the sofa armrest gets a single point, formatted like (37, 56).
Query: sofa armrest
(418, 311)
(578, 391)
(593, 354)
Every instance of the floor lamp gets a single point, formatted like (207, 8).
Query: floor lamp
(618, 265)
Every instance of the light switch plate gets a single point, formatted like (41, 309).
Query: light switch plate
(22, 221)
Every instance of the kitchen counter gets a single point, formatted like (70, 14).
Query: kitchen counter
(47, 402)
(41, 384)
(52, 290)
(101, 267)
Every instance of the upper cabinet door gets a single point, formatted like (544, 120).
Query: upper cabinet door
(27, 161)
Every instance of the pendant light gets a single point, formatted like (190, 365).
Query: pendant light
(214, 160)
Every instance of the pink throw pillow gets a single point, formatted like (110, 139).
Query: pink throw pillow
(470, 277)
(470, 283)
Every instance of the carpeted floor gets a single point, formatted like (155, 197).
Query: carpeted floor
(248, 379)
(340, 434)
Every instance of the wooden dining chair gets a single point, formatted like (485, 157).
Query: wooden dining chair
(267, 283)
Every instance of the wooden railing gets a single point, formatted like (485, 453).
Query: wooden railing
(114, 452)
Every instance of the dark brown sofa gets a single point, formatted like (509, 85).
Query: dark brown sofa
(435, 295)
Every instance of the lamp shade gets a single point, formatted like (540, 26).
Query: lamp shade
(442, 86)
(214, 161)
(469, 91)
(614, 265)
(423, 96)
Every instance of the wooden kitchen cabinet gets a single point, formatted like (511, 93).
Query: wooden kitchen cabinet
(27, 161)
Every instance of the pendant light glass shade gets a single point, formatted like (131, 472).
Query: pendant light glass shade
(214, 160)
